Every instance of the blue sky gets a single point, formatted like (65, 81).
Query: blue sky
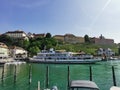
(78, 17)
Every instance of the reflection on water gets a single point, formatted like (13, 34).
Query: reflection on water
(101, 74)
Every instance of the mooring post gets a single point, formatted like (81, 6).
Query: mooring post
(38, 85)
(2, 78)
(113, 74)
(47, 77)
(30, 73)
(90, 73)
(15, 75)
(68, 76)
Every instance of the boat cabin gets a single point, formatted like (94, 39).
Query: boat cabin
(83, 85)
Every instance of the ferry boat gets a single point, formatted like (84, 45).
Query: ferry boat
(51, 56)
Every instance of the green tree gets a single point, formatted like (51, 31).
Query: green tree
(48, 35)
(26, 44)
(118, 50)
(87, 39)
(6, 39)
(33, 50)
(21, 43)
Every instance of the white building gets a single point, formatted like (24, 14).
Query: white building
(4, 51)
(17, 34)
(18, 52)
(30, 35)
(106, 52)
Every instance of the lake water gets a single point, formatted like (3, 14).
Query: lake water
(19, 80)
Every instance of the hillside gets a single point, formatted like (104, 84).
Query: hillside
(86, 47)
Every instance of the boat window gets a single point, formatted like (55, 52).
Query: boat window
(81, 89)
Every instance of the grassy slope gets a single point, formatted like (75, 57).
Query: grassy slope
(88, 48)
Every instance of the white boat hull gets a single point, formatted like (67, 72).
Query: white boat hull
(80, 61)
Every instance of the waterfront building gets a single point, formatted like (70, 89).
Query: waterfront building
(18, 34)
(69, 38)
(106, 52)
(102, 41)
(18, 52)
(42, 35)
(59, 37)
(4, 51)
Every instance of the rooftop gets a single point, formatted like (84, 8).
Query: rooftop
(17, 31)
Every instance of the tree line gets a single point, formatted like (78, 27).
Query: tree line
(33, 45)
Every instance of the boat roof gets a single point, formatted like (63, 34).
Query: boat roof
(83, 84)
